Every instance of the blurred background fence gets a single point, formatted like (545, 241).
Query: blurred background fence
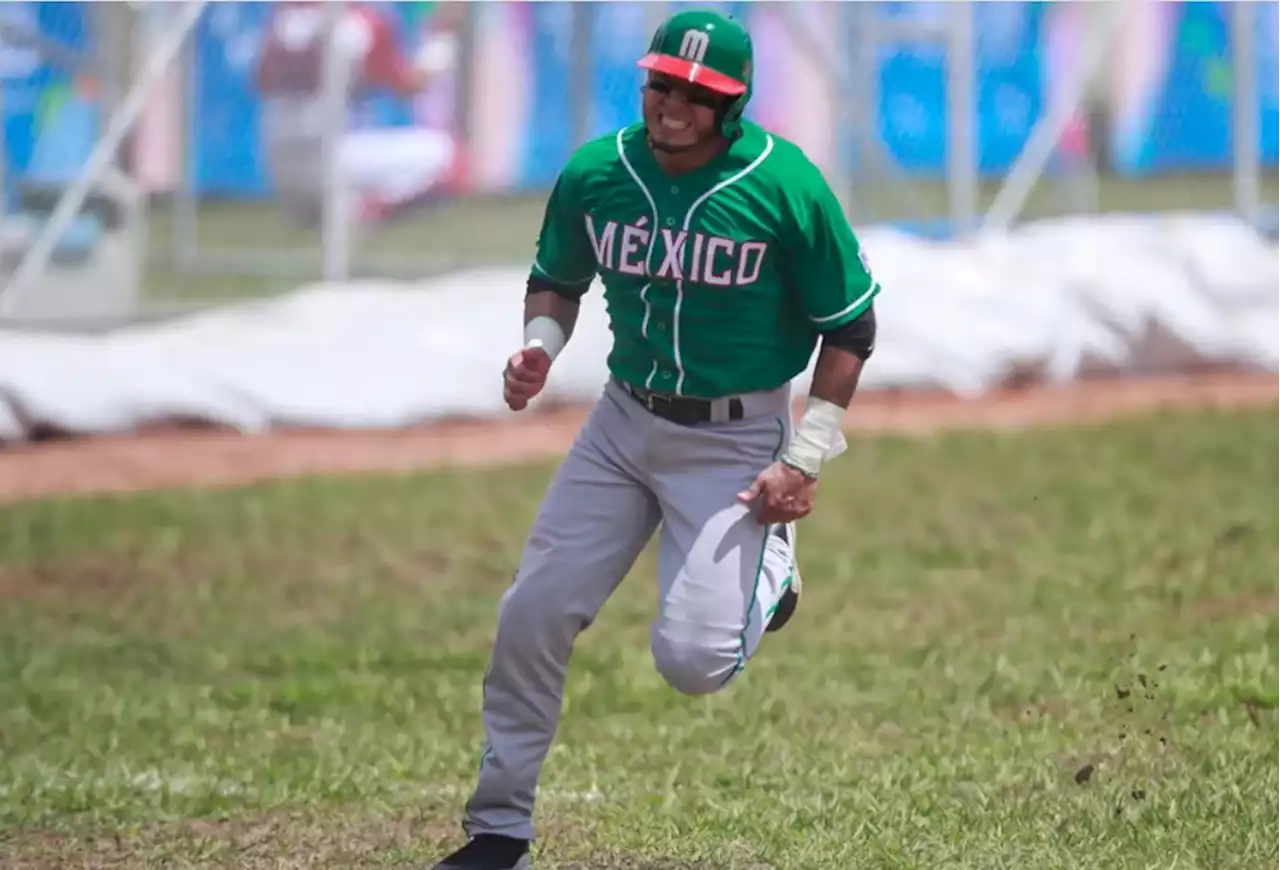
(148, 166)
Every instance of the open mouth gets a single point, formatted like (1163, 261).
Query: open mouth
(673, 125)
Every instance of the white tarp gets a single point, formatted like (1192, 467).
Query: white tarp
(1122, 292)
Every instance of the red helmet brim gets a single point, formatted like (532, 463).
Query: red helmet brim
(698, 74)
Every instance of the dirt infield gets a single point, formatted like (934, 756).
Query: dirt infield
(174, 458)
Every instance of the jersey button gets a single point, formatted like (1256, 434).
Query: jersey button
(666, 376)
(675, 188)
(671, 222)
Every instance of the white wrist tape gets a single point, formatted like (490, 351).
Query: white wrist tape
(819, 437)
(544, 332)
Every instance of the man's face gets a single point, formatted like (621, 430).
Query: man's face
(678, 114)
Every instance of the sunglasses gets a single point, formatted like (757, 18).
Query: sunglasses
(695, 95)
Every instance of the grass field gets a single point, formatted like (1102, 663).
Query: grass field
(485, 231)
(1041, 650)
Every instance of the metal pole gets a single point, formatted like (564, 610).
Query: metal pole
(1245, 133)
(962, 117)
(37, 258)
(468, 42)
(335, 241)
(848, 94)
(854, 82)
(185, 244)
(581, 117)
(657, 13)
(1036, 154)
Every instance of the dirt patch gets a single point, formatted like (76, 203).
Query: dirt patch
(1232, 606)
(280, 840)
(268, 840)
(161, 459)
(96, 576)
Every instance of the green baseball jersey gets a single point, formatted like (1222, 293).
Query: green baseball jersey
(717, 281)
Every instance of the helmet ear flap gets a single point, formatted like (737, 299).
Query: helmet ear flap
(731, 116)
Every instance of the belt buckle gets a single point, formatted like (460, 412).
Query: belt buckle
(657, 400)
(654, 403)
(644, 397)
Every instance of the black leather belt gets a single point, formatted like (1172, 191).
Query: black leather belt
(682, 410)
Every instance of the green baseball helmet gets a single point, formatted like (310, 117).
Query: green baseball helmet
(710, 49)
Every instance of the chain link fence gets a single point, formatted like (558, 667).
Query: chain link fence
(929, 116)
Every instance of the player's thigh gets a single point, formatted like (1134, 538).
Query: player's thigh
(711, 552)
(708, 573)
(594, 521)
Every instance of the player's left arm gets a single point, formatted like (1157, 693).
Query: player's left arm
(837, 293)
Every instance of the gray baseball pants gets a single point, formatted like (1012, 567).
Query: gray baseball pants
(721, 575)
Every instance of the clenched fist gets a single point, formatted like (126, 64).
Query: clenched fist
(525, 376)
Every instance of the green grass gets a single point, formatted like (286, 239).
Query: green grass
(488, 230)
(288, 675)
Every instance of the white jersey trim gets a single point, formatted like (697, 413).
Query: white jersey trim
(648, 256)
(871, 291)
(558, 280)
(688, 219)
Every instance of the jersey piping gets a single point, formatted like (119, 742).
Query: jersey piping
(688, 220)
(648, 254)
(852, 306)
(557, 279)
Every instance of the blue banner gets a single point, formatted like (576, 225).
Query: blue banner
(1267, 33)
(549, 125)
(222, 124)
(1188, 122)
(913, 113)
(38, 94)
(1170, 86)
(1177, 113)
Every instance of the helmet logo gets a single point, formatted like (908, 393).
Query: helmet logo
(693, 45)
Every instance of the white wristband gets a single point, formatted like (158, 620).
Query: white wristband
(820, 427)
(544, 332)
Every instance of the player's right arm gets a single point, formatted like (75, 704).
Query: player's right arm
(564, 266)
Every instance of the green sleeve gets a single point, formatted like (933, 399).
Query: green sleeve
(826, 266)
(564, 253)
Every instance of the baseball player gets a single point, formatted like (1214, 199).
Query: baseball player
(725, 260)
(386, 169)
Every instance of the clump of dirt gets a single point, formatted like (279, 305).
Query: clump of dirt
(1142, 728)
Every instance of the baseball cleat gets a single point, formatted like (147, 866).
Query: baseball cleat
(791, 595)
(489, 852)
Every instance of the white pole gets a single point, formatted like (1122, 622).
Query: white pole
(185, 244)
(834, 79)
(1035, 156)
(962, 117)
(335, 238)
(37, 258)
(1247, 162)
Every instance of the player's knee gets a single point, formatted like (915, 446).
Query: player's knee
(531, 621)
(693, 668)
(523, 621)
